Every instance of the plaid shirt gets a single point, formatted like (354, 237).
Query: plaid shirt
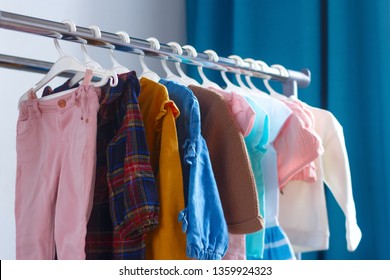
(125, 205)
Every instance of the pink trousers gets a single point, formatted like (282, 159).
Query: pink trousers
(56, 159)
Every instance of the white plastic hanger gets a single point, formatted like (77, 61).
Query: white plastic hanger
(116, 66)
(169, 75)
(283, 71)
(68, 63)
(88, 62)
(192, 53)
(183, 78)
(229, 85)
(125, 39)
(146, 72)
(255, 65)
(240, 62)
(205, 81)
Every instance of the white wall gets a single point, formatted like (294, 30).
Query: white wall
(164, 20)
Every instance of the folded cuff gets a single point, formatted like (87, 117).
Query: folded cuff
(139, 226)
(250, 226)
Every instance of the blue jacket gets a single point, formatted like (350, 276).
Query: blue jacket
(202, 219)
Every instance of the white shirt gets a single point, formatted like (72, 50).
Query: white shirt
(302, 209)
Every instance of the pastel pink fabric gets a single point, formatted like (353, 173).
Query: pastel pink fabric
(56, 157)
(236, 249)
(297, 147)
(308, 172)
(243, 113)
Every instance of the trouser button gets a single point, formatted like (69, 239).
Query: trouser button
(61, 103)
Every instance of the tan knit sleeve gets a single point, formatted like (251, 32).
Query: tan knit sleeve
(230, 162)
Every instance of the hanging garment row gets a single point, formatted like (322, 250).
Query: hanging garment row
(139, 169)
(143, 167)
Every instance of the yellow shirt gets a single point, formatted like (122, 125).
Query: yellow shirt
(158, 112)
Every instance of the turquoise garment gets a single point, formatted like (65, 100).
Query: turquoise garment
(202, 220)
(276, 245)
(255, 143)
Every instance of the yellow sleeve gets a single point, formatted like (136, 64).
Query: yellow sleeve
(168, 241)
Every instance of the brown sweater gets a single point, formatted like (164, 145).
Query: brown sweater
(230, 162)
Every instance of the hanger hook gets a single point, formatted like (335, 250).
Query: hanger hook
(58, 47)
(190, 50)
(241, 63)
(255, 65)
(282, 70)
(252, 64)
(71, 25)
(213, 56)
(95, 31)
(72, 28)
(262, 64)
(178, 50)
(238, 62)
(263, 67)
(176, 47)
(154, 43)
(125, 38)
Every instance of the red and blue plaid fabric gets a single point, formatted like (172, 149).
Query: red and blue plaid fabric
(125, 203)
(132, 188)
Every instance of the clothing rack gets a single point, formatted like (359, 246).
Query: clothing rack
(11, 21)
(27, 64)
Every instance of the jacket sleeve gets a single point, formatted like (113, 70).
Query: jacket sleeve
(338, 178)
(133, 199)
(203, 219)
(168, 240)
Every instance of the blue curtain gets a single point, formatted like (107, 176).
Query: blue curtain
(346, 46)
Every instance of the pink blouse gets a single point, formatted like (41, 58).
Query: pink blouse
(297, 146)
(243, 113)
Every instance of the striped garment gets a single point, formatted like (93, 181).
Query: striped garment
(277, 245)
(125, 203)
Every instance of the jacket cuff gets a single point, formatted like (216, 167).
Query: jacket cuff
(196, 253)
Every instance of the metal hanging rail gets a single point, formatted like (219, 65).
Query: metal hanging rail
(84, 35)
(27, 64)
